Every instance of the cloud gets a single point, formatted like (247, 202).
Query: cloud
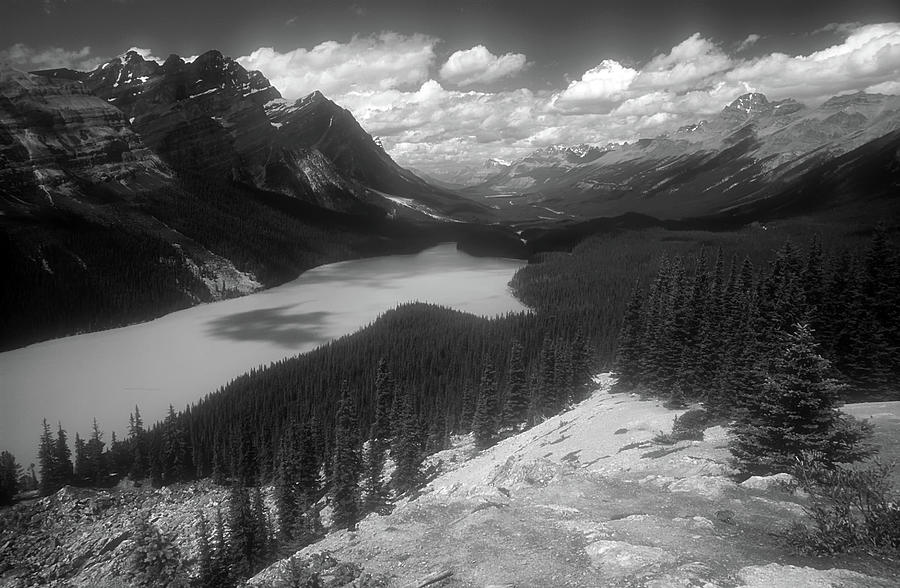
(30, 58)
(148, 55)
(751, 40)
(869, 55)
(689, 62)
(380, 62)
(599, 89)
(479, 66)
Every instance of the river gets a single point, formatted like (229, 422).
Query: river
(179, 358)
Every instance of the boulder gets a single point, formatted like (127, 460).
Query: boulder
(618, 558)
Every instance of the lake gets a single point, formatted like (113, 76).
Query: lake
(179, 358)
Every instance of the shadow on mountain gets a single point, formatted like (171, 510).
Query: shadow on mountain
(275, 325)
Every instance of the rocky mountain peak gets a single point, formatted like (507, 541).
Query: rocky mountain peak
(749, 104)
(855, 99)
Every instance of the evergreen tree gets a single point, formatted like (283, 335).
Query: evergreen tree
(95, 459)
(484, 423)
(9, 478)
(407, 451)
(346, 466)
(262, 545)
(136, 438)
(545, 394)
(379, 437)
(796, 412)
(47, 461)
(63, 457)
(176, 461)
(82, 471)
(630, 351)
(155, 559)
(205, 565)
(467, 412)
(241, 536)
(286, 494)
(515, 408)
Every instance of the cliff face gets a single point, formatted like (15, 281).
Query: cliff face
(55, 136)
(214, 118)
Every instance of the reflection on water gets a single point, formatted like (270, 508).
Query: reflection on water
(277, 325)
(181, 357)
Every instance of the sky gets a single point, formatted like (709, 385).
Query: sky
(453, 83)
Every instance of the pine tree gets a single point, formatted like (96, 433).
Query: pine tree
(83, 472)
(379, 440)
(484, 423)
(407, 451)
(94, 457)
(630, 346)
(136, 438)
(176, 461)
(545, 394)
(515, 408)
(563, 374)
(47, 461)
(9, 478)
(205, 566)
(63, 457)
(467, 412)
(241, 544)
(796, 412)
(346, 466)
(262, 546)
(287, 505)
(155, 559)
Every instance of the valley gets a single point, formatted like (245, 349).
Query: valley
(376, 312)
(181, 357)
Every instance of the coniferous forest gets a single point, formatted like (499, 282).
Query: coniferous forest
(686, 316)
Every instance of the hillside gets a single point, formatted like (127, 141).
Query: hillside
(586, 498)
(745, 157)
(138, 189)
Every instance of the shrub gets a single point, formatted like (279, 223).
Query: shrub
(851, 509)
(690, 425)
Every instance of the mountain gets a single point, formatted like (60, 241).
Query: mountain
(138, 189)
(751, 151)
(214, 118)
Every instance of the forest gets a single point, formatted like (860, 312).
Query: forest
(688, 316)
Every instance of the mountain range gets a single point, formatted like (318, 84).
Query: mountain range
(139, 188)
(747, 156)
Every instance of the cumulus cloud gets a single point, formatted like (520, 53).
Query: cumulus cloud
(479, 66)
(31, 58)
(869, 55)
(599, 89)
(380, 62)
(148, 54)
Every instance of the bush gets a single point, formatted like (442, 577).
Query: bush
(851, 509)
(690, 425)
(687, 427)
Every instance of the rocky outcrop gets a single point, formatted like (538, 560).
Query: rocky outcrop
(82, 537)
(213, 118)
(55, 137)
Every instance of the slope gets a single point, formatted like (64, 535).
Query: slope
(586, 499)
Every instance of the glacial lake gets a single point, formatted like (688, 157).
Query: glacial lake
(179, 358)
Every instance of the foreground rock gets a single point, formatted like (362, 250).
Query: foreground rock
(587, 499)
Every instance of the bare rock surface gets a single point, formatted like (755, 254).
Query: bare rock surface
(542, 508)
(575, 501)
